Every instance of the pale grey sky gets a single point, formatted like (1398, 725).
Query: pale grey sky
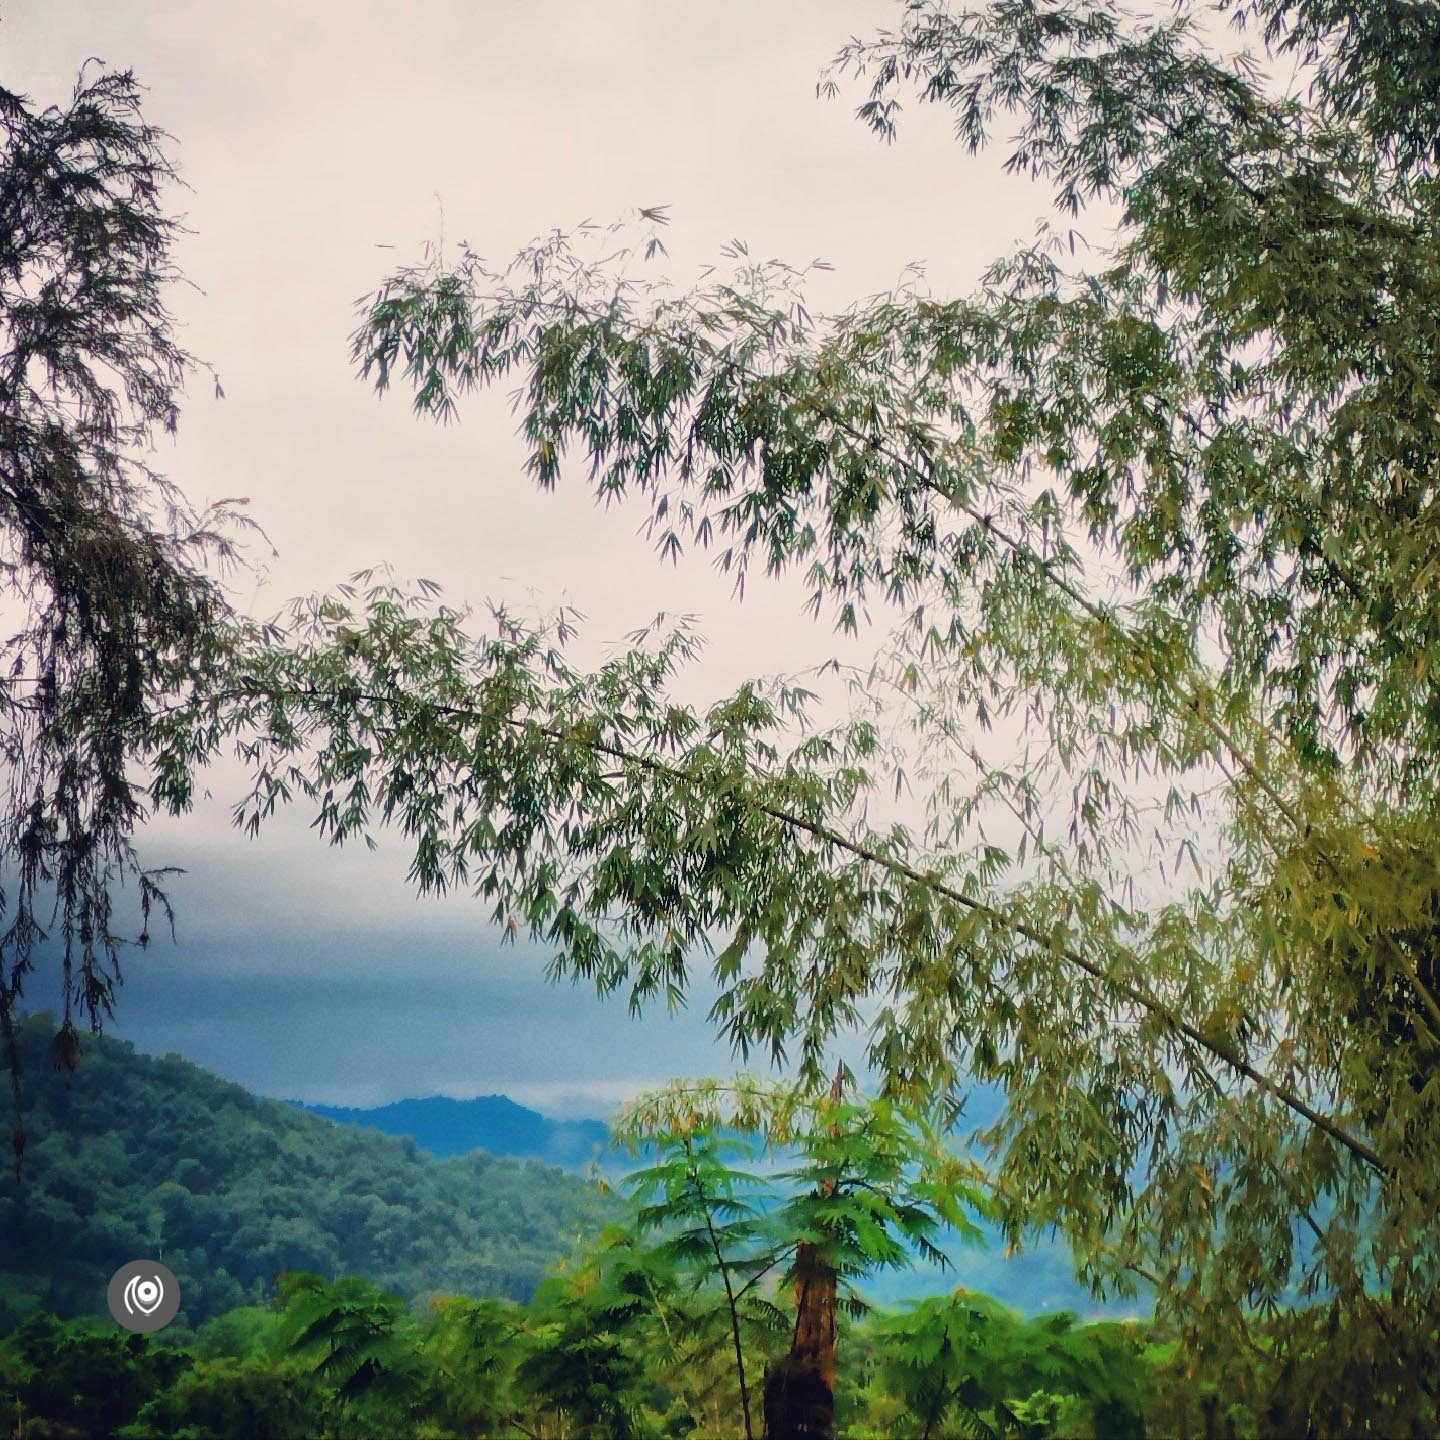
(312, 131)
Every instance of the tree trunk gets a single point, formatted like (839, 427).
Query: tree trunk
(800, 1388)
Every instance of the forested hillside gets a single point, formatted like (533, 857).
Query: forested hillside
(136, 1156)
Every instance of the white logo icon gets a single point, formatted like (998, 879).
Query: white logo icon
(144, 1294)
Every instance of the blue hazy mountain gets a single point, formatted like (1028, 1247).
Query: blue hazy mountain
(493, 1123)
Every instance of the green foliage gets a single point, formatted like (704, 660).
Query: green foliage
(700, 1201)
(872, 1186)
(581, 1360)
(873, 1181)
(241, 1334)
(92, 1381)
(470, 1355)
(876, 1186)
(221, 1398)
(719, 1243)
(591, 1355)
(967, 1357)
(139, 1156)
(1165, 507)
(349, 1334)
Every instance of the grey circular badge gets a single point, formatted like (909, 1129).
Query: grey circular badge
(143, 1296)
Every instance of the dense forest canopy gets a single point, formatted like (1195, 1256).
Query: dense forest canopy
(590, 1355)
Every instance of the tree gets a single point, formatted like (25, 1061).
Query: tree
(1168, 506)
(218, 1398)
(870, 1187)
(111, 608)
(471, 1348)
(581, 1361)
(711, 1229)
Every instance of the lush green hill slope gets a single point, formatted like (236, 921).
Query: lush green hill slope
(488, 1122)
(137, 1156)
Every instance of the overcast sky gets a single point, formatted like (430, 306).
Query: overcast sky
(309, 135)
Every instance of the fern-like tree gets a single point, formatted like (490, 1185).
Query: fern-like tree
(470, 1350)
(715, 1237)
(355, 1340)
(596, 1329)
(869, 1186)
(1168, 505)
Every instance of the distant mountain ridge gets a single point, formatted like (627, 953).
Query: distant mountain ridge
(495, 1123)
